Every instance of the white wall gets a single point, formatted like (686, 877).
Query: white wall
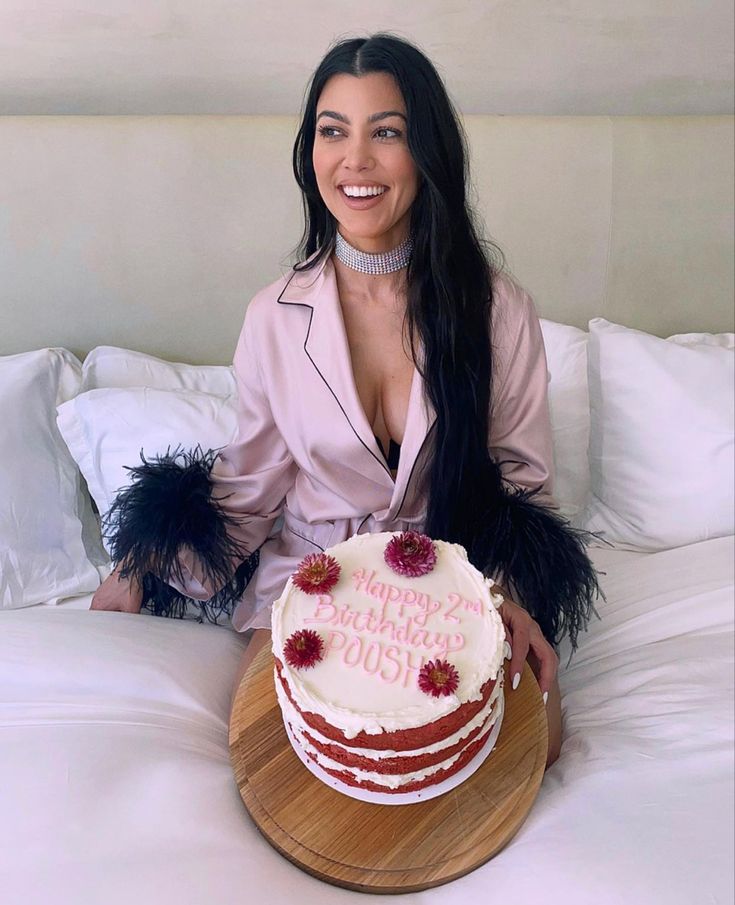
(539, 57)
(154, 232)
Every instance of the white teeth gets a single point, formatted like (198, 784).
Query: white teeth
(362, 191)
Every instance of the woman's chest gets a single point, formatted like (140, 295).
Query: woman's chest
(331, 383)
(381, 366)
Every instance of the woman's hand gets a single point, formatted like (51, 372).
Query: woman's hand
(527, 642)
(118, 594)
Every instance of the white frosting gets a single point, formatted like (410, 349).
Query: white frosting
(389, 780)
(298, 724)
(379, 628)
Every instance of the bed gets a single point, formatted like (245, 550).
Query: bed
(116, 781)
(117, 785)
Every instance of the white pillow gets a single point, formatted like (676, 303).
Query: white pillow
(107, 429)
(661, 443)
(42, 508)
(566, 356)
(108, 366)
(722, 340)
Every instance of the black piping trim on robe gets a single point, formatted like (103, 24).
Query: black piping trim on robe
(169, 506)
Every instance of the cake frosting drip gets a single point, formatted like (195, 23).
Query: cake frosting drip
(379, 628)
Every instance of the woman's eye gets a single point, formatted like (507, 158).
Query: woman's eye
(328, 131)
(382, 134)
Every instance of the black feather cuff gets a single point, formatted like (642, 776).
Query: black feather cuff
(543, 559)
(161, 599)
(168, 506)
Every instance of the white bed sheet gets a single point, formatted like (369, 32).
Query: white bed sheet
(116, 786)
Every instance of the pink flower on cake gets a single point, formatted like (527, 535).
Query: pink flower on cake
(438, 677)
(303, 649)
(317, 573)
(411, 554)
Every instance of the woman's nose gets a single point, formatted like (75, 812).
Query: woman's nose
(358, 155)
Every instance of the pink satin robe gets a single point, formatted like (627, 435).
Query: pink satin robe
(305, 448)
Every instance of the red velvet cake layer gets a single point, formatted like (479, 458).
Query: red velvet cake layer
(396, 765)
(401, 740)
(434, 779)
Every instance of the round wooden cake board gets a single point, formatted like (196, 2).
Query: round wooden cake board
(383, 848)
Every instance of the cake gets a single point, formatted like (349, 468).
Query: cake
(389, 661)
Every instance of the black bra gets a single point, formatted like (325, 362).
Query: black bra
(394, 453)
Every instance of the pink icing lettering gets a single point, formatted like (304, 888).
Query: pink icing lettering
(456, 642)
(362, 621)
(325, 610)
(335, 641)
(412, 669)
(431, 640)
(428, 608)
(387, 626)
(353, 652)
(391, 655)
(376, 590)
(373, 648)
(403, 633)
(362, 579)
(410, 642)
(447, 644)
(365, 582)
(408, 598)
(454, 600)
(346, 615)
(424, 602)
(419, 638)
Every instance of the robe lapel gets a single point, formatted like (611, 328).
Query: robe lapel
(326, 347)
(419, 421)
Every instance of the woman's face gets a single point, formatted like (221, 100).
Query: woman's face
(360, 143)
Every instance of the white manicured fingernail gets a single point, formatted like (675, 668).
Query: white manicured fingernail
(507, 652)
(546, 697)
(516, 680)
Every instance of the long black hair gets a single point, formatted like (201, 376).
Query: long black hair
(449, 277)
(449, 301)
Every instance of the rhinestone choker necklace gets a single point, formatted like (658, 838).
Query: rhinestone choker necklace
(382, 262)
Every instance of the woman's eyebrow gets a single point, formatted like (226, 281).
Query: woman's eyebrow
(333, 115)
(385, 114)
(373, 118)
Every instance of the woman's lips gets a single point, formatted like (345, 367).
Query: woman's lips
(362, 204)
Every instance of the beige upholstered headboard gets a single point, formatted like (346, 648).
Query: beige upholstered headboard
(153, 233)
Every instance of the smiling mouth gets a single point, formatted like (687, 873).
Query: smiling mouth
(363, 191)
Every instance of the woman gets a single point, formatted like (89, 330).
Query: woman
(393, 380)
